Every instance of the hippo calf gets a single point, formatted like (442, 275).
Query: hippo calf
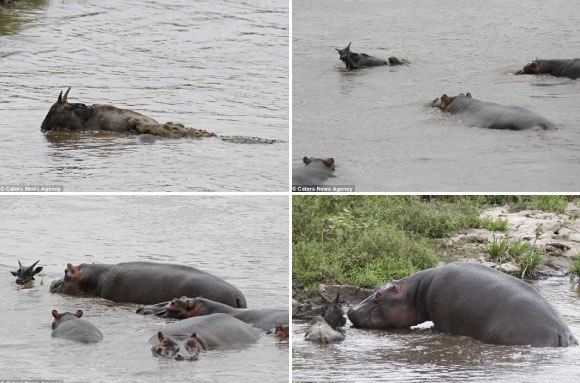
(184, 340)
(25, 274)
(69, 326)
(466, 299)
(65, 116)
(265, 319)
(314, 172)
(360, 60)
(558, 68)
(145, 283)
(490, 115)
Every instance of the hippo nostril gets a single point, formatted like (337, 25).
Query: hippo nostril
(178, 357)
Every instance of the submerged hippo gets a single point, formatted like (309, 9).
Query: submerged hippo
(70, 326)
(314, 172)
(559, 68)
(466, 299)
(265, 319)
(489, 115)
(145, 282)
(64, 116)
(25, 274)
(184, 340)
(360, 60)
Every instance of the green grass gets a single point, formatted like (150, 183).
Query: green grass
(369, 240)
(526, 256)
(498, 249)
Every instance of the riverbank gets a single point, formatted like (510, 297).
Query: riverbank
(350, 246)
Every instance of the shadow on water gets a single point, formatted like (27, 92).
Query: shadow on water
(16, 14)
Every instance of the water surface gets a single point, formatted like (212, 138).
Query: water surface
(377, 123)
(220, 65)
(204, 232)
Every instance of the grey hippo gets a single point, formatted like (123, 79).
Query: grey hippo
(314, 172)
(185, 339)
(25, 274)
(466, 299)
(184, 307)
(558, 68)
(489, 115)
(75, 117)
(361, 60)
(145, 283)
(69, 326)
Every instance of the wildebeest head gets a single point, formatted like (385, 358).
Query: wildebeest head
(25, 274)
(344, 53)
(333, 314)
(65, 116)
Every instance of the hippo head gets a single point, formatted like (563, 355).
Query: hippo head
(388, 307)
(535, 67)
(24, 274)
(63, 116)
(444, 102)
(59, 317)
(71, 283)
(182, 308)
(176, 348)
(328, 162)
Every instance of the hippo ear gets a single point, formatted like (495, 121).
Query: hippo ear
(79, 313)
(306, 160)
(55, 314)
(329, 162)
(397, 288)
(70, 267)
(468, 95)
(445, 100)
(194, 335)
(160, 336)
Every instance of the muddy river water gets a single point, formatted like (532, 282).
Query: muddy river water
(219, 65)
(204, 232)
(421, 355)
(377, 122)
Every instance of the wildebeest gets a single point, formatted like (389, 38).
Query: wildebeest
(26, 274)
(74, 117)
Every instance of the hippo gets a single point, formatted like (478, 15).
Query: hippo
(558, 68)
(65, 116)
(466, 299)
(320, 331)
(145, 283)
(184, 340)
(360, 60)
(25, 274)
(490, 115)
(265, 319)
(69, 326)
(314, 172)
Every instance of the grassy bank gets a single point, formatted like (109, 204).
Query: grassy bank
(368, 240)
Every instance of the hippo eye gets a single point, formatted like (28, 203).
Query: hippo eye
(380, 294)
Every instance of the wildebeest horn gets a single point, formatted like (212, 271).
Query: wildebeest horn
(66, 94)
(60, 97)
(348, 46)
(19, 265)
(32, 267)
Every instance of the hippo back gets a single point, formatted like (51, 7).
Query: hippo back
(265, 319)
(495, 116)
(148, 283)
(215, 331)
(493, 307)
(78, 330)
